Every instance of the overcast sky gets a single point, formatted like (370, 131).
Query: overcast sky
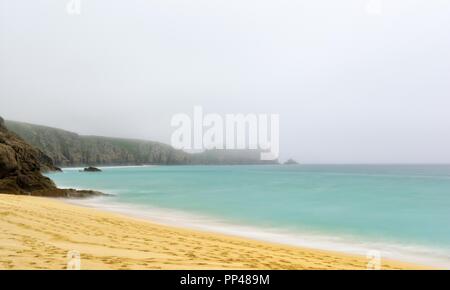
(354, 81)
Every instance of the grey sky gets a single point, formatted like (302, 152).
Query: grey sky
(349, 85)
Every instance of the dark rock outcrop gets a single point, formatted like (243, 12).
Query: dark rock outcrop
(69, 193)
(20, 169)
(91, 169)
(291, 162)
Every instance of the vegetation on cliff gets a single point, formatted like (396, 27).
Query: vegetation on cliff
(70, 149)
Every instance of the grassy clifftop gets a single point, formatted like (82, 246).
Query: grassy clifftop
(70, 149)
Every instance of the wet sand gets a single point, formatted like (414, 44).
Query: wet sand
(38, 233)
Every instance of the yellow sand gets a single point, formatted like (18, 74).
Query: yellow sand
(37, 233)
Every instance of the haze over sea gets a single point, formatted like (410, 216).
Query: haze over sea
(403, 211)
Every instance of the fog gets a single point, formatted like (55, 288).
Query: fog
(353, 81)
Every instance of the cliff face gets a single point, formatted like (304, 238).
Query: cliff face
(21, 166)
(70, 149)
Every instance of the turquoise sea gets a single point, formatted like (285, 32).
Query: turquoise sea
(403, 211)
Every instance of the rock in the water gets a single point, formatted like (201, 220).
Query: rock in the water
(291, 162)
(91, 169)
(21, 166)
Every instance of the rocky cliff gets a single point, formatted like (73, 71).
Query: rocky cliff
(70, 149)
(21, 165)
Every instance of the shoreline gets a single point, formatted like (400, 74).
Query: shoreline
(337, 244)
(341, 242)
(38, 232)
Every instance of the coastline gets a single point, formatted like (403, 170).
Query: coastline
(37, 233)
(346, 245)
(390, 245)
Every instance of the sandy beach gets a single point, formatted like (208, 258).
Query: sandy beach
(38, 233)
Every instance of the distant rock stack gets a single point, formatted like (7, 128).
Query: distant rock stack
(291, 162)
(91, 169)
(20, 169)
